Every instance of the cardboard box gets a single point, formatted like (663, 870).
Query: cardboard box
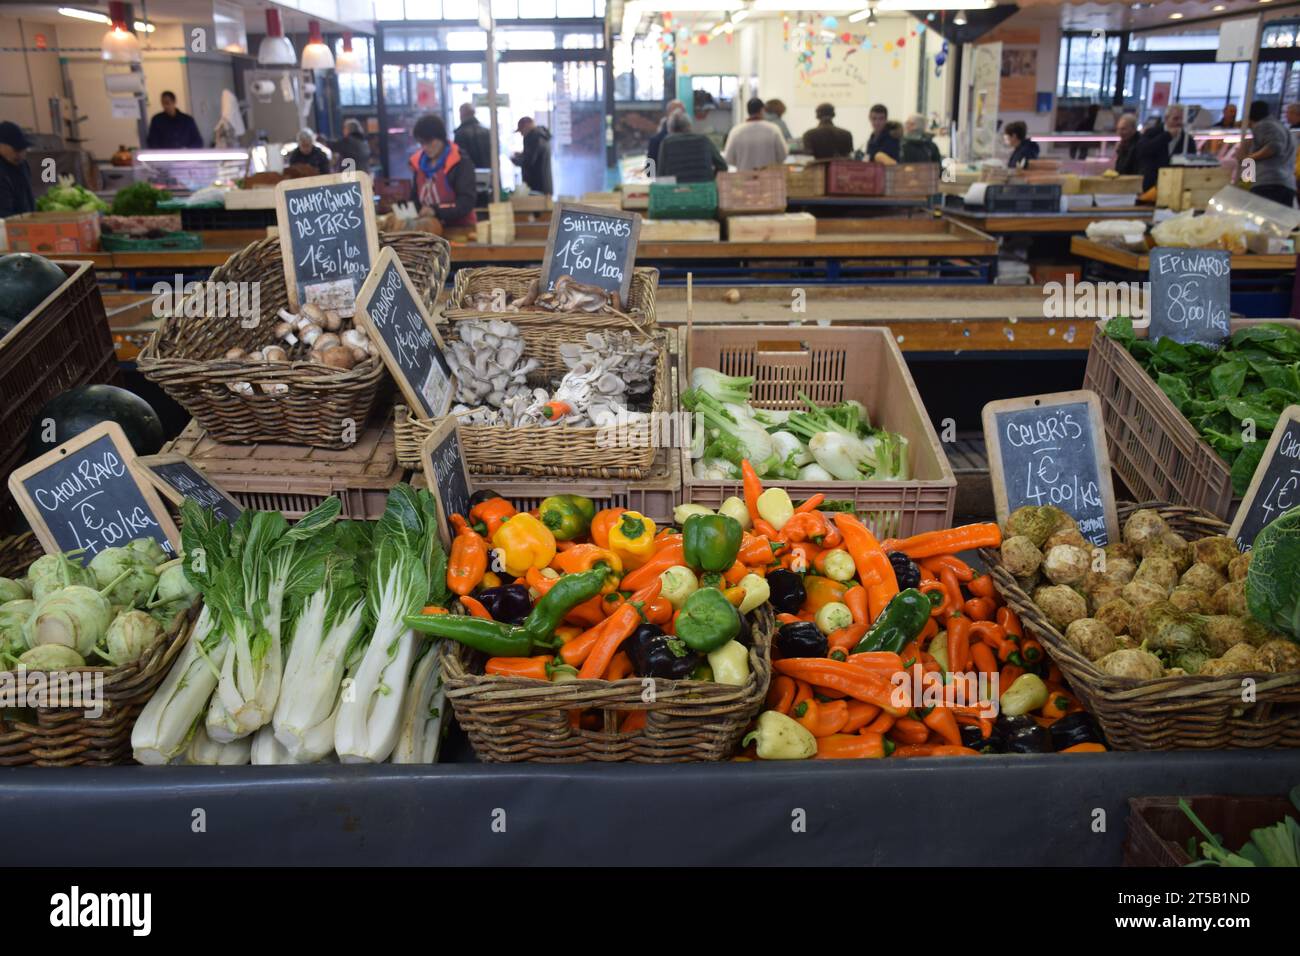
(53, 232)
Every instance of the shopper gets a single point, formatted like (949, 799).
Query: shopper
(756, 142)
(657, 140)
(473, 138)
(535, 159)
(353, 150)
(1023, 149)
(880, 142)
(307, 153)
(1126, 153)
(172, 129)
(444, 176)
(1293, 115)
(773, 111)
(1273, 152)
(1229, 118)
(15, 176)
(687, 156)
(1160, 142)
(918, 145)
(826, 140)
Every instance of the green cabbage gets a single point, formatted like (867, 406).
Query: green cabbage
(70, 198)
(1272, 583)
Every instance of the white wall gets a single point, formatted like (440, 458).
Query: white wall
(28, 79)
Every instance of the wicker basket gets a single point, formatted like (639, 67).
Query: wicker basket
(510, 719)
(323, 405)
(1171, 713)
(66, 737)
(17, 553)
(562, 451)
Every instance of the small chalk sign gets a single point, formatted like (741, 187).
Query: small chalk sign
(1051, 450)
(1190, 295)
(595, 246)
(85, 494)
(328, 239)
(1275, 489)
(444, 470)
(390, 310)
(178, 478)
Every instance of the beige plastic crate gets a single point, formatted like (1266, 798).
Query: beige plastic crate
(832, 365)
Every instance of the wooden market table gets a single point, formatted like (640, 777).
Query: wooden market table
(1140, 262)
(1035, 223)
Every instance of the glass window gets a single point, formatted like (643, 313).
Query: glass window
(394, 86)
(1087, 68)
(1281, 35)
(357, 89)
(466, 40)
(1178, 41)
(455, 9)
(505, 9)
(573, 8)
(466, 72)
(582, 41)
(1206, 84)
(526, 39)
(389, 10)
(537, 9)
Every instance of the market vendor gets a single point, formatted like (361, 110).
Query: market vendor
(1023, 149)
(826, 140)
(1126, 152)
(172, 129)
(690, 157)
(1161, 142)
(534, 161)
(444, 177)
(15, 176)
(881, 142)
(917, 144)
(308, 153)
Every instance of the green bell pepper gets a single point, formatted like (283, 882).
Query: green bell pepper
(711, 542)
(707, 621)
(567, 516)
(901, 621)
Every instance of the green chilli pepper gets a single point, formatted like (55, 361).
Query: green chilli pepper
(903, 618)
(565, 594)
(707, 621)
(711, 542)
(567, 516)
(491, 637)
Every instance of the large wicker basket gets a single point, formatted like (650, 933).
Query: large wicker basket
(324, 407)
(510, 719)
(1172, 713)
(66, 736)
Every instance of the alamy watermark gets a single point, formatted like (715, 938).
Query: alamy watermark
(23, 688)
(1097, 300)
(208, 299)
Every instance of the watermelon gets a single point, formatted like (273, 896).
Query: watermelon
(80, 408)
(25, 281)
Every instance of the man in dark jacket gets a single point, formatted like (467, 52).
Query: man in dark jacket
(535, 160)
(657, 140)
(880, 141)
(690, 157)
(1023, 149)
(473, 138)
(444, 177)
(15, 176)
(172, 129)
(307, 153)
(917, 145)
(1126, 152)
(826, 140)
(1159, 144)
(353, 147)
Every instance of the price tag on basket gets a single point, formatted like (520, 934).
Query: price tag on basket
(1190, 294)
(444, 470)
(328, 238)
(1275, 489)
(594, 245)
(85, 494)
(1051, 450)
(178, 478)
(390, 311)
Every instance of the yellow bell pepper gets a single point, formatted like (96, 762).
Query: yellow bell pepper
(632, 538)
(524, 542)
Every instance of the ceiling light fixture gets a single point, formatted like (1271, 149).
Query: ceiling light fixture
(275, 48)
(347, 61)
(904, 5)
(860, 15)
(119, 44)
(1175, 16)
(960, 19)
(76, 13)
(316, 54)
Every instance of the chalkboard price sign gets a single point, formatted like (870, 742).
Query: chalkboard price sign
(390, 310)
(85, 494)
(178, 478)
(1051, 450)
(444, 469)
(327, 238)
(1190, 295)
(1275, 489)
(595, 246)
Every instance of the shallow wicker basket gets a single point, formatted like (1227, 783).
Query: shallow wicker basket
(1172, 713)
(561, 451)
(323, 406)
(66, 736)
(510, 719)
(17, 553)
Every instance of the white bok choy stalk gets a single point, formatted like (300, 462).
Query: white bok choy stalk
(273, 568)
(164, 725)
(265, 750)
(407, 572)
(422, 716)
(206, 752)
(322, 635)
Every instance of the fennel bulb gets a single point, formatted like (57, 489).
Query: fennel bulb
(724, 388)
(163, 727)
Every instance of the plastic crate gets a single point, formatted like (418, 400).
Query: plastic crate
(175, 242)
(294, 479)
(1023, 197)
(912, 179)
(63, 343)
(752, 191)
(832, 365)
(807, 181)
(53, 233)
(1158, 830)
(206, 218)
(851, 177)
(1153, 448)
(683, 200)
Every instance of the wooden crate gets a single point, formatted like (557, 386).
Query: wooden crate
(851, 177)
(1110, 185)
(752, 191)
(529, 202)
(680, 230)
(805, 181)
(500, 227)
(1158, 830)
(259, 198)
(786, 227)
(912, 179)
(636, 196)
(1189, 187)
(603, 200)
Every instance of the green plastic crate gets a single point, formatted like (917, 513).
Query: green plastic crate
(683, 200)
(172, 242)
